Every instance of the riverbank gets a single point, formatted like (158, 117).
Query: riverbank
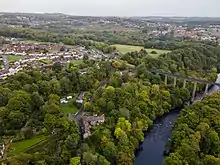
(156, 138)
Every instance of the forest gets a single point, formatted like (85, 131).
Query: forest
(131, 99)
(195, 137)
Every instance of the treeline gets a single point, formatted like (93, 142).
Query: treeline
(196, 134)
(93, 38)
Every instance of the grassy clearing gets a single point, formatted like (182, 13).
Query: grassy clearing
(67, 108)
(77, 62)
(46, 61)
(129, 48)
(21, 146)
(14, 57)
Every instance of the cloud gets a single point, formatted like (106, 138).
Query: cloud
(116, 7)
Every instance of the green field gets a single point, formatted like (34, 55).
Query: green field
(46, 61)
(67, 108)
(21, 146)
(129, 48)
(14, 57)
(77, 62)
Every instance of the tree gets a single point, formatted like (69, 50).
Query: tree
(110, 151)
(55, 87)
(36, 100)
(211, 160)
(89, 158)
(75, 161)
(66, 87)
(21, 101)
(5, 95)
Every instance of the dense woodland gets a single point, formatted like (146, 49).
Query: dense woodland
(131, 100)
(195, 137)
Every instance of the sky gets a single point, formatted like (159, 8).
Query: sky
(189, 8)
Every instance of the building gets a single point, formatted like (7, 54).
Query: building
(90, 121)
(63, 101)
(2, 149)
(80, 98)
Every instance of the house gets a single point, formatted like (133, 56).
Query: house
(89, 121)
(63, 101)
(2, 149)
(80, 98)
(96, 120)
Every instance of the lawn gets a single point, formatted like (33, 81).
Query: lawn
(14, 57)
(67, 108)
(129, 48)
(21, 146)
(76, 62)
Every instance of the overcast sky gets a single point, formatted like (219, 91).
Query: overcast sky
(209, 8)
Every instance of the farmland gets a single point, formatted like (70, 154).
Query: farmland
(129, 48)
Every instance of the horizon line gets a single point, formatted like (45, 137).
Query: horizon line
(144, 16)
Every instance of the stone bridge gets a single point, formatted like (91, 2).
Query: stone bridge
(185, 79)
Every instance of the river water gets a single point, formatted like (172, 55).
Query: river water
(155, 141)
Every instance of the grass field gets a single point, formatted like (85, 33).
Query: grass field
(129, 48)
(66, 108)
(21, 146)
(77, 62)
(14, 57)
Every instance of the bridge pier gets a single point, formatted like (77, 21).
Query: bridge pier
(206, 89)
(184, 83)
(194, 91)
(174, 82)
(165, 81)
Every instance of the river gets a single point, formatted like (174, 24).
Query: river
(155, 141)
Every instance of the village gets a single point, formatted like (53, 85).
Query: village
(42, 56)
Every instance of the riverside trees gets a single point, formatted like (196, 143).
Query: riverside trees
(195, 138)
